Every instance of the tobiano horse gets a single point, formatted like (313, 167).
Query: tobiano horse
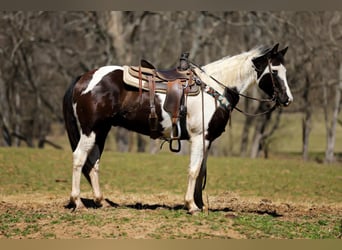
(100, 99)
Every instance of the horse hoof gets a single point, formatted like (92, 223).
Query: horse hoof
(195, 211)
(70, 205)
(98, 203)
(74, 204)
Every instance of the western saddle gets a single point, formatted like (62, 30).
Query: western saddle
(177, 84)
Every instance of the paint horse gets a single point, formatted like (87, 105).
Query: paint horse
(100, 99)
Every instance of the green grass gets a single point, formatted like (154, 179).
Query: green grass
(167, 225)
(286, 139)
(48, 172)
(283, 179)
(266, 226)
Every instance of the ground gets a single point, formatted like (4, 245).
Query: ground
(155, 217)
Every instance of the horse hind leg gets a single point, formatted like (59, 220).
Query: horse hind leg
(93, 163)
(94, 159)
(80, 155)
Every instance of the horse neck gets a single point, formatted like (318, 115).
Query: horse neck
(236, 71)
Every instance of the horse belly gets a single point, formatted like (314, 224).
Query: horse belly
(135, 112)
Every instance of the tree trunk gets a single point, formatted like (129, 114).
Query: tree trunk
(250, 106)
(259, 134)
(331, 130)
(306, 124)
(122, 139)
(141, 143)
(245, 131)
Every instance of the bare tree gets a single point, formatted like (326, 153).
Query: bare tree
(40, 53)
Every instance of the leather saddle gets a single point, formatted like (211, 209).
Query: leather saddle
(175, 83)
(138, 76)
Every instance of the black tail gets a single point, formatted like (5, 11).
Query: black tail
(200, 185)
(69, 117)
(71, 126)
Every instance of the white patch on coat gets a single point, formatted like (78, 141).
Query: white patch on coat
(98, 75)
(282, 75)
(194, 114)
(85, 145)
(166, 119)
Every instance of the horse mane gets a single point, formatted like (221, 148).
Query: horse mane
(235, 71)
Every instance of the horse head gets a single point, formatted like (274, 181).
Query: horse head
(271, 75)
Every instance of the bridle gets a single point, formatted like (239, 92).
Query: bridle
(273, 99)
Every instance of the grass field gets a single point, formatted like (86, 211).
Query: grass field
(276, 198)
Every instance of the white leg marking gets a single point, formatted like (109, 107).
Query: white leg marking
(196, 158)
(282, 75)
(94, 158)
(98, 75)
(85, 145)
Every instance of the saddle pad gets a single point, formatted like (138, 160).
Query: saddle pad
(160, 86)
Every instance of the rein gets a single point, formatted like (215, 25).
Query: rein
(262, 113)
(245, 96)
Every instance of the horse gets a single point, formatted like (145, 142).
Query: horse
(100, 99)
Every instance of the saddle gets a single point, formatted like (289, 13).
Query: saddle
(176, 84)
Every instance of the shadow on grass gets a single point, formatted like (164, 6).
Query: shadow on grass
(90, 204)
(141, 206)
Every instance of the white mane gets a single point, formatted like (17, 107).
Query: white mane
(235, 71)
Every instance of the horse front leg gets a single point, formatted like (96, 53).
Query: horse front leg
(196, 161)
(80, 155)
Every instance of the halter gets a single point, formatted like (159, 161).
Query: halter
(273, 99)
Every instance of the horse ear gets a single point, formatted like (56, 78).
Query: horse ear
(283, 51)
(275, 48)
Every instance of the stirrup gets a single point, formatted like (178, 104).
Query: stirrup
(175, 137)
(175, 128)
(172, 149)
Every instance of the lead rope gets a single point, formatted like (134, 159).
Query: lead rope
(203, 132)
(203, 142)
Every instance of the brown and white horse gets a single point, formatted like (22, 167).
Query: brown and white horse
(100, 99)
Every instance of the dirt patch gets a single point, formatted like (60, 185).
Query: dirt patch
(231, 202)
(144, 216)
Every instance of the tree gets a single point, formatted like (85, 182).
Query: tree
(40, 53)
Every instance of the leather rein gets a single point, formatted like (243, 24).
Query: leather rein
(273, 99)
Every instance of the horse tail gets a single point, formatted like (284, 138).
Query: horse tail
(204, 177)
(200, 185)
(69, 116)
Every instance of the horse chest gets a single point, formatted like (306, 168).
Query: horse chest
(217, 123)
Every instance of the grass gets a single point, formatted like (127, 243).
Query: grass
(266, 226)
(26, 173)
(166, 225)
(49, 171)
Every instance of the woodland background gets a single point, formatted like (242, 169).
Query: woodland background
(42, 52)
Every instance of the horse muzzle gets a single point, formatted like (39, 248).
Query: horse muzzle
(284, 101)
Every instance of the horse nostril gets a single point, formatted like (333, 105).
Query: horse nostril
(288, 102)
